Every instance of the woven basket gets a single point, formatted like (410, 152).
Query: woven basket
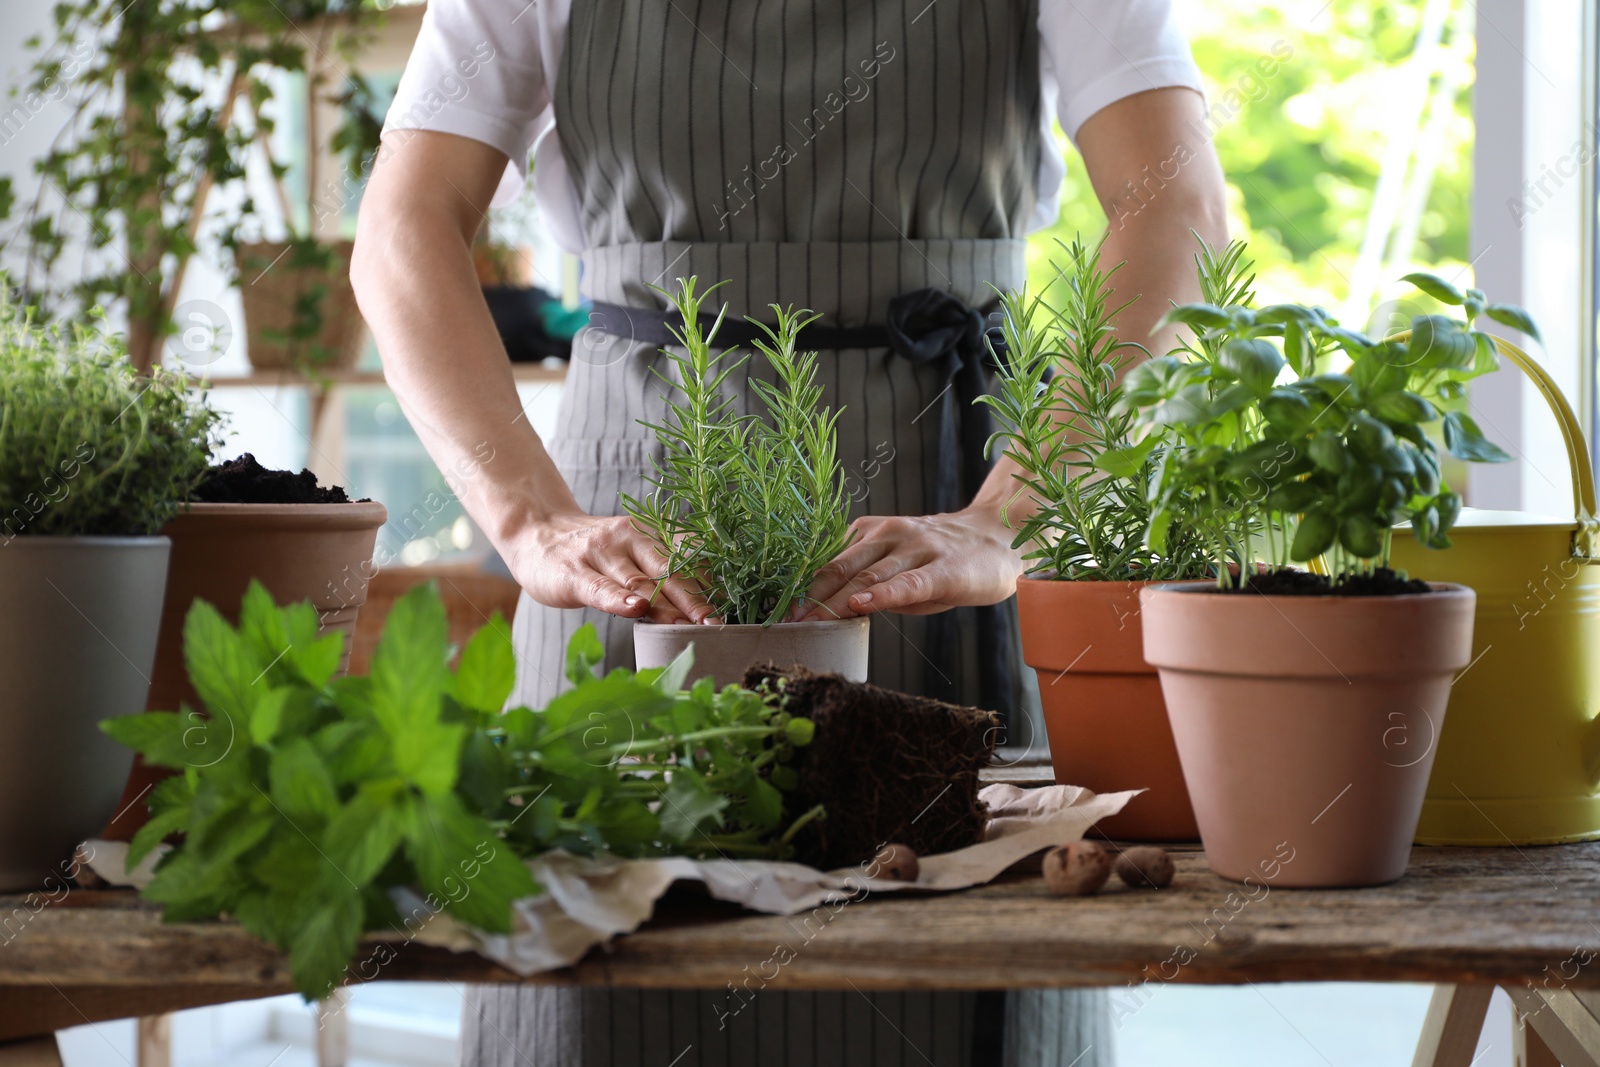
(274, 281)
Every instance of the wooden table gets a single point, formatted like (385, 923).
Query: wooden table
(1527, 920)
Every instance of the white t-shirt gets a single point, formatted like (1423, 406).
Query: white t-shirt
(480, 70)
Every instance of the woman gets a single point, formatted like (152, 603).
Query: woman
(827, 154)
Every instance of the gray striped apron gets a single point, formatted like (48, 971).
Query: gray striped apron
(829, 154)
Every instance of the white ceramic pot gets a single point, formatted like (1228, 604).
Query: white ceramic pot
(834, 646)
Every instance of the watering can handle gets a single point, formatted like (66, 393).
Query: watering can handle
(1586, 542)
(1583, 496)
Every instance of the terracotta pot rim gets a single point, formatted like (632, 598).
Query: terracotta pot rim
(1090, 583)
(86, 540)
(354, 515)
(1436, 591)
(737, 628)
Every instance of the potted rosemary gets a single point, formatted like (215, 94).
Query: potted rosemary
(749, 508)
(1298, 699)
(1058, 403)
(94, 459)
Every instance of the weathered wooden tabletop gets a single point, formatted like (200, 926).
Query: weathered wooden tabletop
(1499, 915)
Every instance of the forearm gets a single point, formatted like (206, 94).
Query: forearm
(444, 360)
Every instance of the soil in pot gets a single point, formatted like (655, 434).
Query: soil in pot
(1287, 581)
(1103, 708)
(887, 766)
(1307, 725)
(300, 540)
(245, 481)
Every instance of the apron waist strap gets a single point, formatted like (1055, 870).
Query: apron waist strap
(923, 326)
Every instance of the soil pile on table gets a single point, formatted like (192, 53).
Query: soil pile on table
(245, 481)
(1287, 581)
(887, 766)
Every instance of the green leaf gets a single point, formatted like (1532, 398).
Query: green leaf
(1254, 362)
(1127, 461)
(1360, 536)
(1425, 524)
(1313, 535)
(1287, 410)
(158, 736)
(1466, 441)
(488, 668)
(1514, 317)
(1199, 316)
(689, 808)
(1439, 341)
(364, 833)
(462, 861)
(301, 785)
(585, 653)
(1368, 436)
(1435, 287)
(1291, 498)
(221, 668)
(1328, 451)
(325, 940)
(409, 678)
(1403, 407)
(1449, 507)
(149, 836)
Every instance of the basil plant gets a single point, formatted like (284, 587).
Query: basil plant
(1270, 453)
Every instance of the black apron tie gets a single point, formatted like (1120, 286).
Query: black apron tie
(924, 326)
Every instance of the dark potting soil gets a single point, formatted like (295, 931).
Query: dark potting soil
(1286, 581)
(245, 481)
(887, 766)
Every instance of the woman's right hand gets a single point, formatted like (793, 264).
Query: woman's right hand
(577, 560)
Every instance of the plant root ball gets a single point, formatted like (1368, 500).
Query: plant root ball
(895, 862)
(1076, 870)
(1145, 867)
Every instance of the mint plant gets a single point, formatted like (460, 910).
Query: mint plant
(1059, 405)
(750, 508)
(1325, 463)
(304, 798)
(88, 447)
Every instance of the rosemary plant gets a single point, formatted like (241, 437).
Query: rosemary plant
(750, 508)
(1059, 405)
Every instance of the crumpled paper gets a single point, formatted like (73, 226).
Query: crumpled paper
(589, 900)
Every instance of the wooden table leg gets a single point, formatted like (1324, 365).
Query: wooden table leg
(1451, 1028)
(1565, 1023)
(155, 1041)
(1528, 1048)
(333, 1029)
(34, 1052)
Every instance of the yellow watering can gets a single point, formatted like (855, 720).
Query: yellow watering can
(1519, 756)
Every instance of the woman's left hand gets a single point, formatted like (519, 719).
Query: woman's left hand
(918, 565)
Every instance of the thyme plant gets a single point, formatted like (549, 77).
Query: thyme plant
(88, 447)
(750, 508)
(1060, 408)
(1323, 465)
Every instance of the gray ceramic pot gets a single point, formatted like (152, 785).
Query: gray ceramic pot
(724, 652)
(78, 623)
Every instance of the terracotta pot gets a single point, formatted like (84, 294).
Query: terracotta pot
(1103, 709)
(837, 646)
(273, 283)
(1307, 726)
(77, 635)
(316, 552)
